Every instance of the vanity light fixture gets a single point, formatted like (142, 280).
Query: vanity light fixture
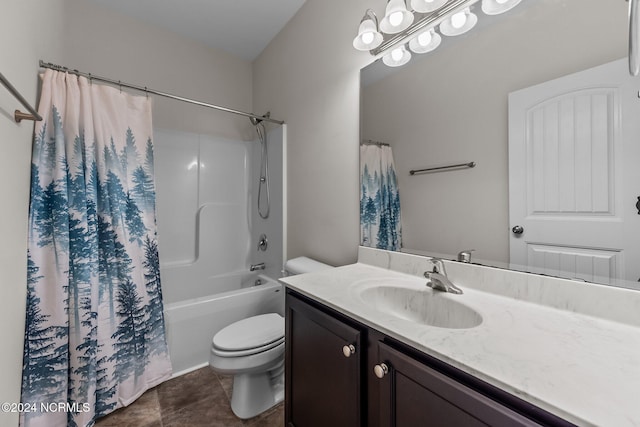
(418, 27)
(368, 35)
(397, 57)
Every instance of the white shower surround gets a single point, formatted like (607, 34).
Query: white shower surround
(208, 231)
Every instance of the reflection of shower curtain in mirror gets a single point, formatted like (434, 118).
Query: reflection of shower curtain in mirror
(95, 337)
(379, 199)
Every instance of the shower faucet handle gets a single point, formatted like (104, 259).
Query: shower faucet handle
(263, 243)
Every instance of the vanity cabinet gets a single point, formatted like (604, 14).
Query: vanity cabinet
(380, 382)
(414, 394)
(323, 384)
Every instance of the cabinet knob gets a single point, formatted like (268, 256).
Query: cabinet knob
(348, 350)
(381, 370)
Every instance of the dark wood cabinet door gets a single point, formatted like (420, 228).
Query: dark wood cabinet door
(412, 394)
(322, 384)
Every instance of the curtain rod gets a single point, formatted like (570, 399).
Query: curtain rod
(155, 92)
(19, 115)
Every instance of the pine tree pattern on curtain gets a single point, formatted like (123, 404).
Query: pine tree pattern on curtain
(380, 225)
(95, 337)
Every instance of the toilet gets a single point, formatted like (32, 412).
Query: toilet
(252, 350)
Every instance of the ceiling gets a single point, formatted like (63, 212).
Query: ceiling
(241, 27)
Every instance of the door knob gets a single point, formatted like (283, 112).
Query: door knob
(517, 229)
(381, 370)
(348, 350)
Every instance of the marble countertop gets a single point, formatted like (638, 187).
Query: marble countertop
(579, 367)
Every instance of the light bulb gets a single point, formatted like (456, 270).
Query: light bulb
(458, 20)
(397, 57)
(425, 38)
(424, 42)
(395, 18)
(496, 7)
(367, 37)
(396, 54)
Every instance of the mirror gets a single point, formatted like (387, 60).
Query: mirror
(451, 106)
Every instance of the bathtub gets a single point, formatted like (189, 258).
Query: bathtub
(191, 324)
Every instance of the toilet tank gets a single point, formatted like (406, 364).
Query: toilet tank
(302, 265)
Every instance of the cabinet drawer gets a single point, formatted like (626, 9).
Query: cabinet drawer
(413, 394)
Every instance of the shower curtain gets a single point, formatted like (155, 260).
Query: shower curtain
(94, 335)
(379, 199)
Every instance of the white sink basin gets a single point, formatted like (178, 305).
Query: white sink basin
(417, 304)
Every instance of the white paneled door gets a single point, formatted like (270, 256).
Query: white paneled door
(574, 176)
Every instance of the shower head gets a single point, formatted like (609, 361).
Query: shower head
(255, 121)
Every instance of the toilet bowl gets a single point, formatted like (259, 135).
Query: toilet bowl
(252, 350)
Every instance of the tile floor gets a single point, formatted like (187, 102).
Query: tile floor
(199, 398)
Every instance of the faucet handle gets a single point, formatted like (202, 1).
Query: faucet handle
(262, 242)
(465, 256)
(438, 266)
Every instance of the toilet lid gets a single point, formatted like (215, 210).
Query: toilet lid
(248, 352)
(250, 333)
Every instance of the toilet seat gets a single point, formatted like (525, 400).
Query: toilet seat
(246, 352)
(252, 363)
(249, 336)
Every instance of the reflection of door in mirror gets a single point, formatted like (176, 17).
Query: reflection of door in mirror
(573, 183)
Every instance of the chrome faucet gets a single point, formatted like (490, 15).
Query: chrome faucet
(437, 278)
(255, 267)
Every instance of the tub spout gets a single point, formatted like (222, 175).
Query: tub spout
(255, 267)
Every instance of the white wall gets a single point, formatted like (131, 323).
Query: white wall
(81, 35)
(28, 29)
(309, 76)
(106, 43)
(451, 107)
